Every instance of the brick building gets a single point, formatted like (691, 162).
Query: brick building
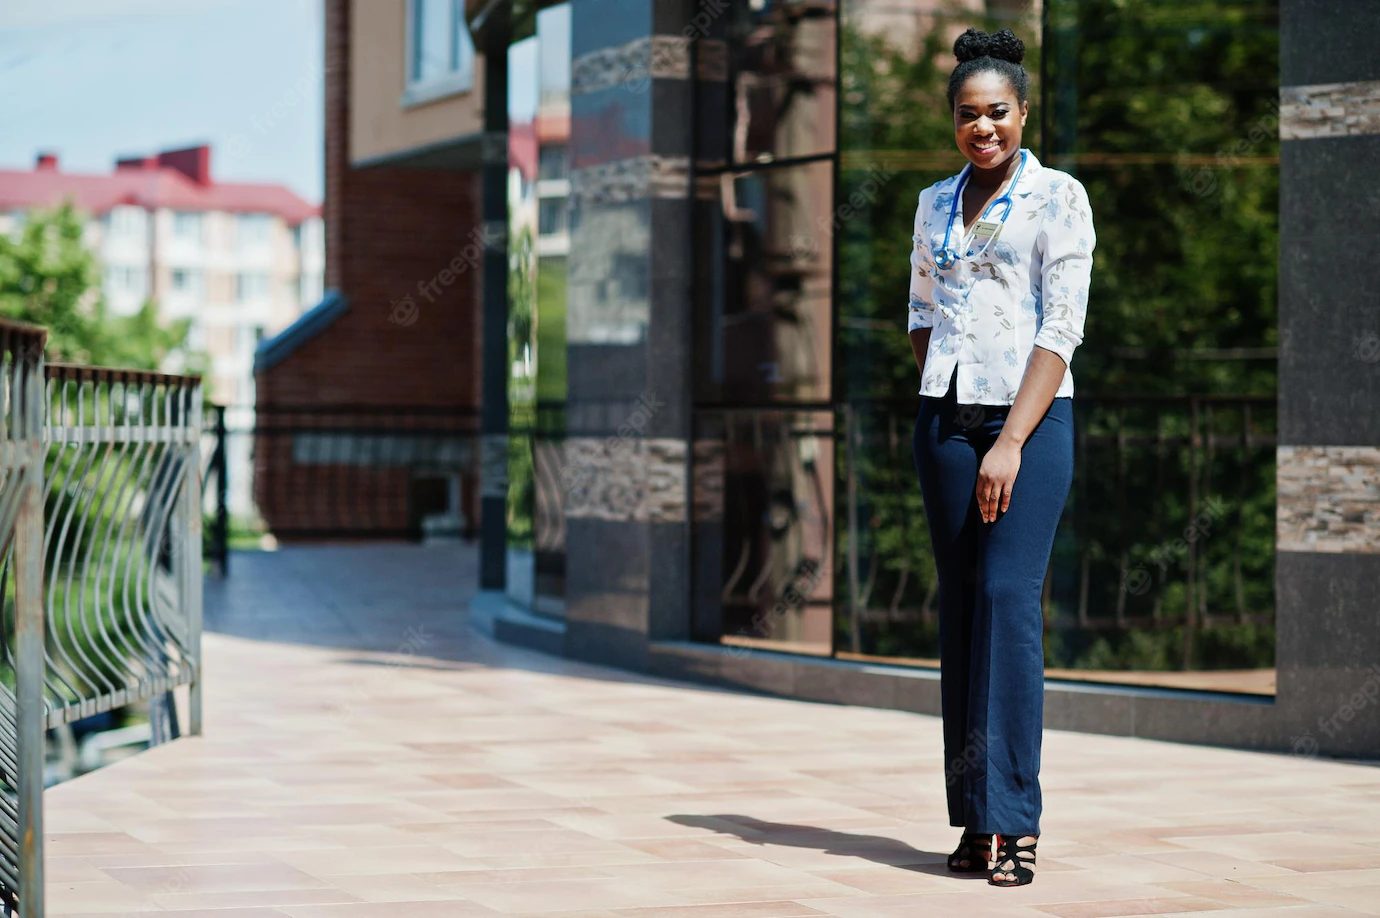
(395, 344)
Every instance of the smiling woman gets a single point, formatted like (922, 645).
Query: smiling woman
(1177, 377)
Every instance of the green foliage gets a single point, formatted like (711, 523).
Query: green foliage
(48, 277)
(1166, 111)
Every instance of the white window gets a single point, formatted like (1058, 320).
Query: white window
(126, 222)
(253, 230)
(187, 225)
(17, 220)
(186, 280)
(440, 52)
(251, 286)
(124, 279)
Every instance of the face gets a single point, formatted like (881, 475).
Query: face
(988, 121)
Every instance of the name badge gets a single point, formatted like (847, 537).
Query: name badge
(982, 235)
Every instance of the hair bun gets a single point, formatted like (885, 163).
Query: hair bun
(1003, 45)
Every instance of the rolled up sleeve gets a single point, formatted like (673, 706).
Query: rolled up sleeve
(921, 306)
(1067, 241)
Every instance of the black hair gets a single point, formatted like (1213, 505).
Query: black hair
(1001, 53)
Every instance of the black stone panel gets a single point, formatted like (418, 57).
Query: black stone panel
(607, 579)
(672, 249)
(1328, 616)
(668, 359)
(671, 121)
(668, 600)
(1328, 41)
(1248, 724)
(1327, 180)
(1329, 311)
(600, 372)
(1329, 651)
(674, 17)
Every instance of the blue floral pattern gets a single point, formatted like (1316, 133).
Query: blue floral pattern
(1028, 289)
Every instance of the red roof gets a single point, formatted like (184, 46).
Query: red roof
(153, 182)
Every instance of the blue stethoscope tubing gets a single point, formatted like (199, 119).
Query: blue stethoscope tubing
(946, 257)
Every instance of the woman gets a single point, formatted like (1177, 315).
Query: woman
(999, 277)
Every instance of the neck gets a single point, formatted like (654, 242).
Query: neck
(994, 177)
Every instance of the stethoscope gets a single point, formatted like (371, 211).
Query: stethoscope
(946, 257)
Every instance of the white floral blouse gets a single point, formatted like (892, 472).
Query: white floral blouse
(1029, 288)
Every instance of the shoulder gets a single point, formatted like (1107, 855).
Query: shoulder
(943, 187)
(1059, 182)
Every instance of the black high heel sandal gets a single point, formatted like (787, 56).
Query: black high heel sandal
(1020, 857)
(971, 854)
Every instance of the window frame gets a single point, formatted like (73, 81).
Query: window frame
(263, 237)
(456, 81)
(179, 218)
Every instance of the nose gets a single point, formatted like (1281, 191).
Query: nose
(983, 126)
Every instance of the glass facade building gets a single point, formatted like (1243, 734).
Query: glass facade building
(711, 391)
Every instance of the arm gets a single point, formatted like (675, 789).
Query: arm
(1067, 244)
(920, 308)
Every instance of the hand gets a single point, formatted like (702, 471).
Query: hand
(996, 477)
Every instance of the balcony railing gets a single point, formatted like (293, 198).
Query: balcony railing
(100, 527)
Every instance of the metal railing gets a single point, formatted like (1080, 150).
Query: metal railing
(1169, 523)
(22, 709)
(100, 524)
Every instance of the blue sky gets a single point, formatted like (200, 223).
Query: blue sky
(93, 80)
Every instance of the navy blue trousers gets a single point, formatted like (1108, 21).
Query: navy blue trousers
(990, 624)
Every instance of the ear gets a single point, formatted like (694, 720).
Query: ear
(1025, 111)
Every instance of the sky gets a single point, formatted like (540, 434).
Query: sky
(95, 80)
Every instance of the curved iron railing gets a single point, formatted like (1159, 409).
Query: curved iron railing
(22, 720)
(123, 538)
(100, 531)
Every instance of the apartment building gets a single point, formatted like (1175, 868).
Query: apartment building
(241, 260)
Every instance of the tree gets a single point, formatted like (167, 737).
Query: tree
(48, 277)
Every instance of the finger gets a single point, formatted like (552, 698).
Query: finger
(1006, 499)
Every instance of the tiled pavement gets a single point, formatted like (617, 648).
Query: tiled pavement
(366, 754)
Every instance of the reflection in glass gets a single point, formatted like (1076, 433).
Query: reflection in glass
(1162, 571)
(764, 243)
(522, 284)
(768, 88)
(763, 528)
(539, 245)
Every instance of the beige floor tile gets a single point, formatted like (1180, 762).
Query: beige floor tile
(275, 898)
(341, 777)
(730, 910)
(1363, 899)
(1115, 908)
(567, 894)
